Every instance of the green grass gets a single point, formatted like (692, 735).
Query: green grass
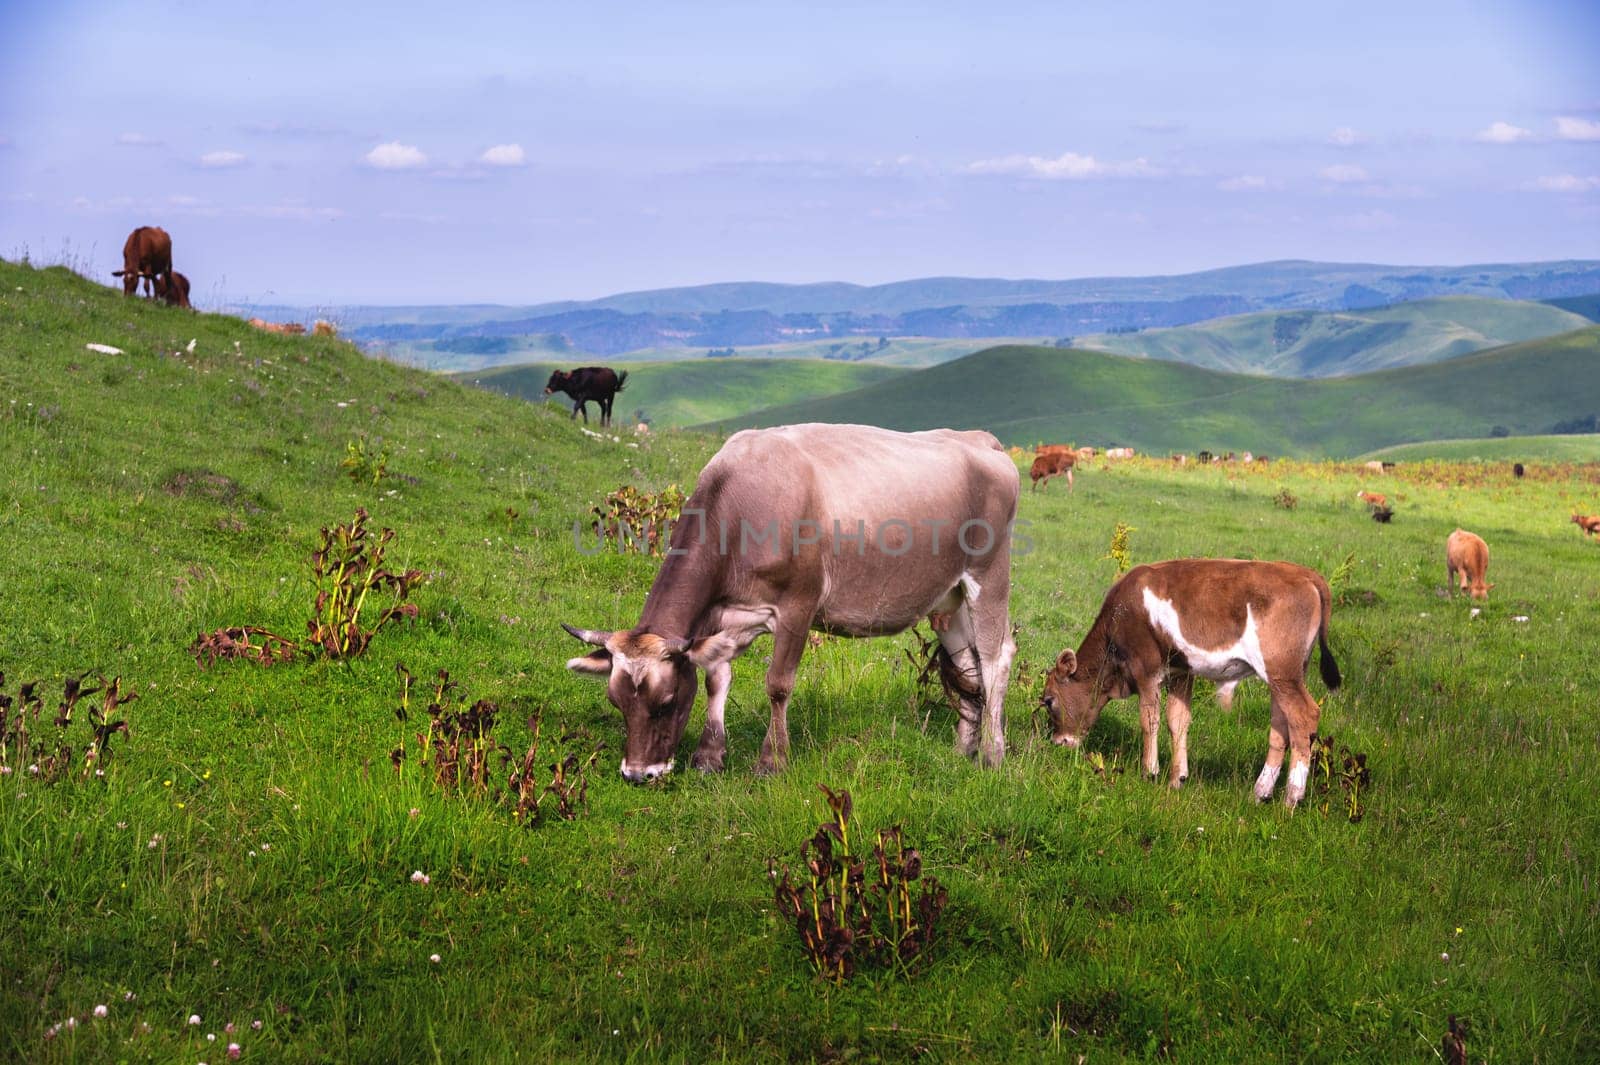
(687, 393)
(1336, 343)
(1111, 919)
(1026, 394)
(1584, 447)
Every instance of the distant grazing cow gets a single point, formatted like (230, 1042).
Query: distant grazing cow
(146, 256)
(1086, 452)
(286, 328)
(1466, 557)
(174, 289)
(1203, 457)
(1383, 515)
(1589, 523)
(1517, 470)
(1373, 467)
(1050, 464)
(1375, 500)
(1119, 452)
(1180, 459)
(598, 383)
(323, 328)
(847, 529)
(1222, 619)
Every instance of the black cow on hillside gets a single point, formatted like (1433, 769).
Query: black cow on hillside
(599, 383)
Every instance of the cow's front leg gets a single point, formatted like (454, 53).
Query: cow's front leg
(713, 749)
(788, 643)
(1178, 693)
(1150, 723)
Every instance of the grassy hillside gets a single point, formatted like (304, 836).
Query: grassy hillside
(1587, 306)
(1329, 344)
(690, 392)
(251, 856)
(1025, 395)
(1583, 447)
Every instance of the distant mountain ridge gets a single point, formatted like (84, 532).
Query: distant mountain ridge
(747, 313)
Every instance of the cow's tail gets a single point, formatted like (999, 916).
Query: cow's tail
(1330, 668)
(622, 379)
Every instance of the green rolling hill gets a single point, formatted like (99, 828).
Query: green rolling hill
(700, 390)
(1031, 394)
(1304, 343)
(1588, 306)
(1576, 447)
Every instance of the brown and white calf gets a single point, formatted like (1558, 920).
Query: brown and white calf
(1466, 557)
(1222, 619)
(847, 529)
(1375, 500)
(1589, 523)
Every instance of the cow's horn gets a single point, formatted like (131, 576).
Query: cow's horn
(587, 635)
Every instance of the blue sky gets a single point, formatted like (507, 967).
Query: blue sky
(452, 153)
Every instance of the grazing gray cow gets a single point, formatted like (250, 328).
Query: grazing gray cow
(847, 529)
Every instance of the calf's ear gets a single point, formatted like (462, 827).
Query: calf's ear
(596, 664)
(1067, 663)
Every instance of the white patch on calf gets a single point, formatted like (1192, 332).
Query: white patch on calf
(1231, 663)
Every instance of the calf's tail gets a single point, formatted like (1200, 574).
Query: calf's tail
(1330, 668)
(622, 379)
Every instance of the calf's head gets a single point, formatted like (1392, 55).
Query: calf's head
(652, 681)
(1074, 695)
(557, 383)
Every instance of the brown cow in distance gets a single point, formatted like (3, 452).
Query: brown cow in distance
(1466, 556)
(598, 383)
(174, 289)
(1222, 619)
(1589, 523)
(147, 256)
(1375, 500)
(1052, 461)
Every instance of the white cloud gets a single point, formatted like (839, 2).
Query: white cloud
(1366, 221)
(1577, 129)
(1345, 137)
(396, 156)
(1563, 183)
(1244, 183)
(137, 140)
(503, 155)
(1344, 174)
(221, 159)
(1068, 166)
(1502, 133)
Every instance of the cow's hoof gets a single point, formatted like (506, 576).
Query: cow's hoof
(707, 762)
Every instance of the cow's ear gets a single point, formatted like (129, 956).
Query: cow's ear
(1067, 663)
(722, 647)
(597, 664)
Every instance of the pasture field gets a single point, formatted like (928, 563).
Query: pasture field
(249, 855)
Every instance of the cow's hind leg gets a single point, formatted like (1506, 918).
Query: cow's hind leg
(1277, 743)
(713, 749)
(962, 672)
(989, 609)
(1303, 715)
(1178, 694)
